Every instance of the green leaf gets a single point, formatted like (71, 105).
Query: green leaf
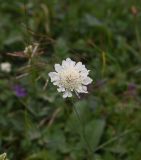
(94, 131)
(42, 155)
(75, 123)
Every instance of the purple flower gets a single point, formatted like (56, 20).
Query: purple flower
(131, 90)
(19, 90)
(132, 87)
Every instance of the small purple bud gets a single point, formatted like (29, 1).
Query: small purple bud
(131, 87)
(20, 91)
(131, 90)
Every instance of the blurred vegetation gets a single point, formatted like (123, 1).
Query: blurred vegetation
(106, 36)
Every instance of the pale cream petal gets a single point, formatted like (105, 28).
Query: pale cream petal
(65, 64)
(87, 81)
(70, 62)
(54, 76)
(80, 67)
(67, 94)
(85, 71)
(61, 89)
(58, 68)
(56, 83)
(82, 89)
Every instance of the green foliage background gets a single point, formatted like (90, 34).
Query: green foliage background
(105, 35)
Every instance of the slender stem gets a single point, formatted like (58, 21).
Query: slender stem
(90, 151)
(138, 37)
(27, 40)
(112, 140)
(27, 108)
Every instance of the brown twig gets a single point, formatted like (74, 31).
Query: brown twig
(54, 116)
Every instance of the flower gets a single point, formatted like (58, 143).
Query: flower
(31, 49)
(131, 91)
(69, 77)
(28, 49)
(3, 156)
(5, 67)
(19, 91)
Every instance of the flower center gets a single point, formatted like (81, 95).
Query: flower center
(70, 78)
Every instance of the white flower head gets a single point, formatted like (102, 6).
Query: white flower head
(31, 49)
(3, 156)
(5, 67)
(28, 49)
(69, 77)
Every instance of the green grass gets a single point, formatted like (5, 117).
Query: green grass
(106, 36)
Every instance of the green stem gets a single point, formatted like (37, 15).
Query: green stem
(112, 140)
(90, 151)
